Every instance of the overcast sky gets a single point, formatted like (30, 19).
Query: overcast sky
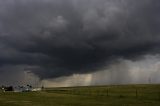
(87, 41)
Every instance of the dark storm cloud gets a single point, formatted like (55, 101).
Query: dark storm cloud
(55, 38)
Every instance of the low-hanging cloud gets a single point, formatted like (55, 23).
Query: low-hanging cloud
(142, 71)
(55, 38)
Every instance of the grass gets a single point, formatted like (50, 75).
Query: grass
(122, 95)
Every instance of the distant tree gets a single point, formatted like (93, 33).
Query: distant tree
(10, 88)
(30, 86)
(42, 87)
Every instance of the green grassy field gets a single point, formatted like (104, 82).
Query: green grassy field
(122, 95)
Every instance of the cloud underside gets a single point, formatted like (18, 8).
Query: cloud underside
(54, 38)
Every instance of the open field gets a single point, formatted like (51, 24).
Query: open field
(122, 95)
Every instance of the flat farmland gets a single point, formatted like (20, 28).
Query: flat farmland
(113, 95)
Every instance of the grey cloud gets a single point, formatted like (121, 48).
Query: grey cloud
(59, 38)
(142, 71)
